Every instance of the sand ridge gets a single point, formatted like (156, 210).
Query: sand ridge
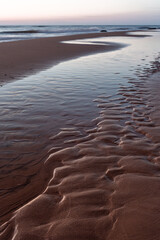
(106, 185)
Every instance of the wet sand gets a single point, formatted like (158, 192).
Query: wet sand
(20, 58)
(106, 184)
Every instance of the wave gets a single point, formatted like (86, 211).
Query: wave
(19, 32)
(31, 31)
(148, 27)
(73, 29)
(51, 31)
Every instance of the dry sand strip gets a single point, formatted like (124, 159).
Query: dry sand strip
(20, 58)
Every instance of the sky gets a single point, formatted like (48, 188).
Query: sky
(80, 11)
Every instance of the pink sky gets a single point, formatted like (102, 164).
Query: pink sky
(80, 12)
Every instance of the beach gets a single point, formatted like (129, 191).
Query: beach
(19, 58)
(80, 157)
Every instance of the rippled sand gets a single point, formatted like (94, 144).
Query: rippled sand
(93, 179)
(106, 184)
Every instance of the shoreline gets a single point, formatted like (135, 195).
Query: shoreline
(22, 58)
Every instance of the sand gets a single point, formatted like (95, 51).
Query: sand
(106, 185)
(21, 58)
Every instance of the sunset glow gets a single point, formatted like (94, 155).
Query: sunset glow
(80, 12)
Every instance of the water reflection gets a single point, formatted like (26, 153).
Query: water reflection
(63, 95)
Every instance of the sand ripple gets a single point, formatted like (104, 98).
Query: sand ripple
(106, 184)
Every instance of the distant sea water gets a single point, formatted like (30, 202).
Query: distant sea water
(19, 32)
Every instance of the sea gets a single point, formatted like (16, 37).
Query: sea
(20, 32)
